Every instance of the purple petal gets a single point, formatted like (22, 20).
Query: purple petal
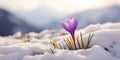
(71, 25)
(65, 25)
(67, 20)
(75, 22)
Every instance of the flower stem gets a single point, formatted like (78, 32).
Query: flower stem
(73, 37)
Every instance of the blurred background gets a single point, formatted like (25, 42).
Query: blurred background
(37, 15)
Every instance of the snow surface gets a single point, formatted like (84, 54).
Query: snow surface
(105, 45)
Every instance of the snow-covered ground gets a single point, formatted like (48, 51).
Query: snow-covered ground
(36, 46)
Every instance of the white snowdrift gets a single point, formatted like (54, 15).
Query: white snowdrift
(105, 45)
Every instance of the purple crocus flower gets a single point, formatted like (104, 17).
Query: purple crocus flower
(70, 25)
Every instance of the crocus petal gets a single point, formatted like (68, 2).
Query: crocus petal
(65, 26)
(67, 20)
(75, 22)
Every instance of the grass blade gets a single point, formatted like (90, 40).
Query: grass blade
(89, 39)
(52, 51)
(67, 44)
(78, 42)
(81, 40)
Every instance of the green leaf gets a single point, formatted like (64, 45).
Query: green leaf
(81, 40)
(89, 39)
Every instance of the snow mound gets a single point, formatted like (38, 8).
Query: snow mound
(35, 46)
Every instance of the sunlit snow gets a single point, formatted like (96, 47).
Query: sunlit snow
(36, 46)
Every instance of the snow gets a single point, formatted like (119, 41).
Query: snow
(105, 45)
